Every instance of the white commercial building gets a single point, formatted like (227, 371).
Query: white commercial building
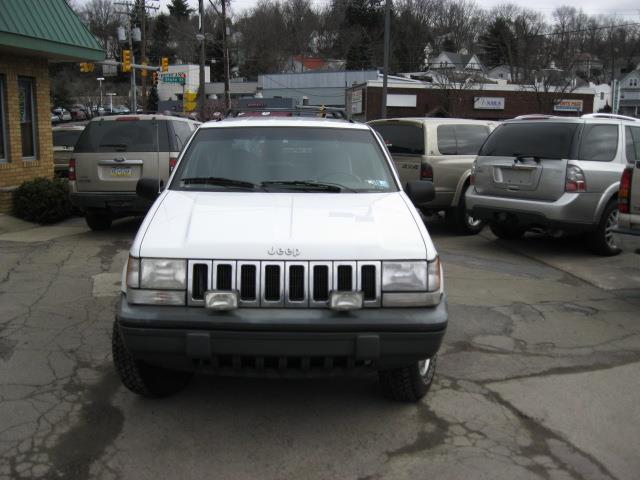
(172, 87)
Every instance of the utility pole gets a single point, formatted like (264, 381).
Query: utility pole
(143, 52)
(225, 51)
(387, 41)
(201, 90)
(225, 47)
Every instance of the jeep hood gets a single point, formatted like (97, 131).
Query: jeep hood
(313, 226)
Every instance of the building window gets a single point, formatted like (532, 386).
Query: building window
(601, 95)
(633, 82)
(27, 116)
(4, 153)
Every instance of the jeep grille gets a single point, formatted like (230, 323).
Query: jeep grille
(284, 284)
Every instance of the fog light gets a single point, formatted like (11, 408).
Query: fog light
(219, 300)
(344, 301)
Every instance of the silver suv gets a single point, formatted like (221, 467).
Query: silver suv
(555, 174)
(438, 150)
(113, 153)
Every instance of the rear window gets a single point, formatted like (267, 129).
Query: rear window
(461, 139)
(124, 136)
(633, 143)
(551, 140)
(66, 138)
(403, 139)
(599, 142)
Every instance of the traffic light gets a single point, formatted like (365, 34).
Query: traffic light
(126, 60)
(87, 67)
(165, 64)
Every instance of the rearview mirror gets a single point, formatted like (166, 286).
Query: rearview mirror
(148, 188)
(420, 192)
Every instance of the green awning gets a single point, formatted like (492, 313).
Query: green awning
(46, 28)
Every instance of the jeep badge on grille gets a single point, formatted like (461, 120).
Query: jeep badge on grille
(291, 252)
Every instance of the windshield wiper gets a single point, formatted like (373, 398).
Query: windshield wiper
(520, 157)
(307, 184)
(120, 146)
(221, 181)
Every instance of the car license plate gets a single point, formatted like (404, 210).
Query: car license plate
(514, 176)
(121, 172)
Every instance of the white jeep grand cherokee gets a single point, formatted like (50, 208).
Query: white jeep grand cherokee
(281, 245)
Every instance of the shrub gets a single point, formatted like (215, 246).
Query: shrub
(42, 200)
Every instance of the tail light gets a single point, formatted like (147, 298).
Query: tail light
(426, 172)
(624, 195)
(172, 163)
(72, 170)
(574, 181)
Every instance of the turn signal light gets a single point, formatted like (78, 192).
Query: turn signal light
(172, 163)
(624, 195)
(72, 170)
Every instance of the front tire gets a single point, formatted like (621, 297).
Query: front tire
(408, 383)
(143, 379)
(506, 232)
(602, 241)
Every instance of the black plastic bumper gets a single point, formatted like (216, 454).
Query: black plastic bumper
(185, 336)
(116, 203)
(527, 219)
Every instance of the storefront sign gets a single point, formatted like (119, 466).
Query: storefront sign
(356, 101)
(398, 100)
(488, 103)
(568, 105)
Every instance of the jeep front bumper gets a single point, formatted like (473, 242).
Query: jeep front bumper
(184, 337)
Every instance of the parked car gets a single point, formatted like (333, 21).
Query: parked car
(55, 118)
(64, 141)
(63, 115)
(439, 150)
(80, 112)
(629, 195)
(119, 110)
(113, 153)
(281, 245)
(554, 174)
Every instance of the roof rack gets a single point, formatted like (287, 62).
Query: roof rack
(297, 111)
(612, 116)
(533, 116)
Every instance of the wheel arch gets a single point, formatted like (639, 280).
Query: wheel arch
(462, 184)
(609, 194)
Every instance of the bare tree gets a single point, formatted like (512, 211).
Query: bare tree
(453, 84)
(101, 18)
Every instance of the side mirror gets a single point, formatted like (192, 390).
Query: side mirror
(147, 188)
(420, 191)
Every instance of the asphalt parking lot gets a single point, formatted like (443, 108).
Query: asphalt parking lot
(539, 377)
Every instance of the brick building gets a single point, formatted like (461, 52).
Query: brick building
(487, 102)
(32, 34)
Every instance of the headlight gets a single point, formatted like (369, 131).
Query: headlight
(404, 276)
(169, 274)
(411, 284)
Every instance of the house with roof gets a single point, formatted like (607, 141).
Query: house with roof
(630, 94)
(458, 62)
(32, 34)
(499, 72)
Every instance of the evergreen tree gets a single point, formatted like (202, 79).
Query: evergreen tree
(179, 9)
(161, 40)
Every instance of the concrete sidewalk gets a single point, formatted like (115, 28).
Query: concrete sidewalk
(13, 229)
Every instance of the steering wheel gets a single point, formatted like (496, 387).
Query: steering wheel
(328, 176)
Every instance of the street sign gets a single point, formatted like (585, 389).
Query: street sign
(178, 78)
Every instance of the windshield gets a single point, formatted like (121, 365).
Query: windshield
(303, 159)
(65, 138)
(551, 140)
(124, 135)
